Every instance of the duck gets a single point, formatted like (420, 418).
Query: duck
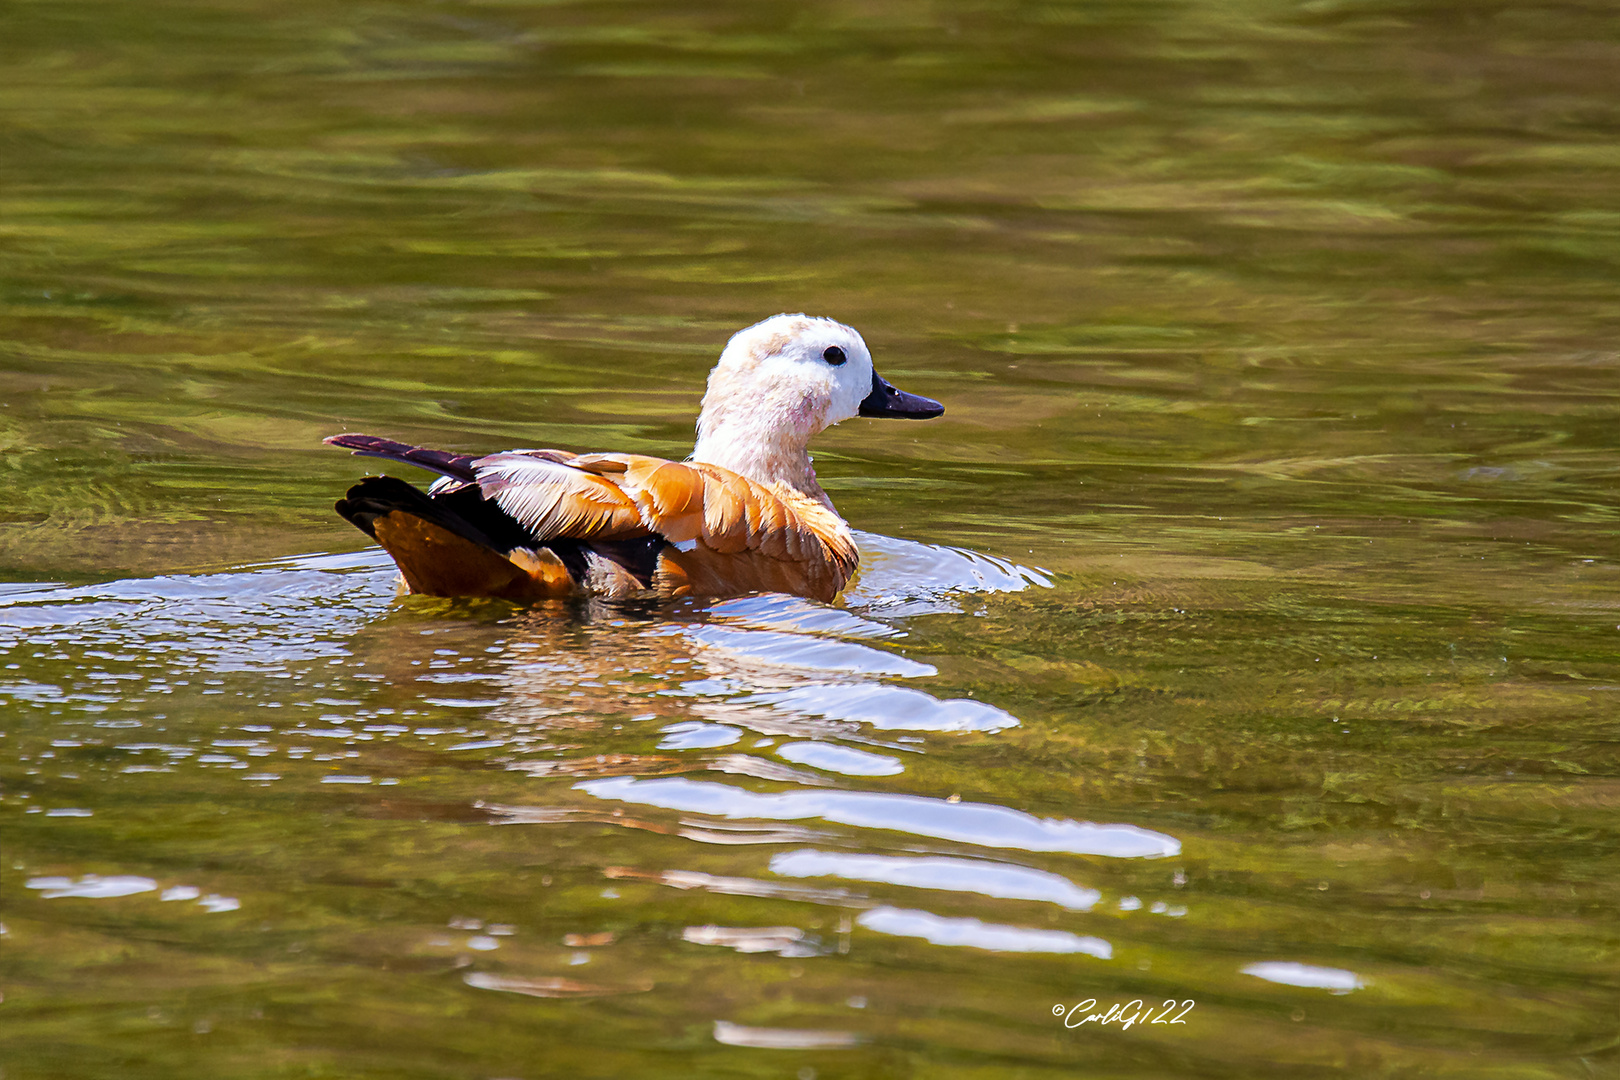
(743, 513)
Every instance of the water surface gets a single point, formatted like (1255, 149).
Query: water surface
(1245, 633)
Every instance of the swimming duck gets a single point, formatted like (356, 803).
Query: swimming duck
(742, 514)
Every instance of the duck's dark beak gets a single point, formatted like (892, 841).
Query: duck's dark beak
(885, 400)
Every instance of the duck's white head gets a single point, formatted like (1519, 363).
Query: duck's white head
(781, 381)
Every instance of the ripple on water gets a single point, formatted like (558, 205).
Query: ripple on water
(91, 886)
(696, 735)
(885, 707)
(901, 578)
(974, 933)
(549, 986)
(782, 1038)
(777, 611)
(1288, 973)
(840, 759)
(781, 940)
(972, 823)
(771, 649)
(258, 619)
(1003, 881)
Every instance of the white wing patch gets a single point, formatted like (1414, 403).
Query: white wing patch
(552, 499)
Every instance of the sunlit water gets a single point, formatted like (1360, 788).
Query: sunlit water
(1242, 641)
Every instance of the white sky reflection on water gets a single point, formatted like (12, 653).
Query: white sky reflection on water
(1001, 880)
(772, 649)
(793, 614)
(840, 759)
(885, 707)
(91, 886)
(1289, 973)
(696, 735)
(782, 1038)
(973, 823)
(978, 934)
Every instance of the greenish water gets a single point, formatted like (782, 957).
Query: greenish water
(1278, 348)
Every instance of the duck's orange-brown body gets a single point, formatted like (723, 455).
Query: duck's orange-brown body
(534, 524)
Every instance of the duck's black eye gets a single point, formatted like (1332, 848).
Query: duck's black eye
(834, 355)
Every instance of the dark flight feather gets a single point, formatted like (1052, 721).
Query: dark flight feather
(443, 462)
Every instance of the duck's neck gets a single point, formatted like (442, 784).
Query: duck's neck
(762, 460)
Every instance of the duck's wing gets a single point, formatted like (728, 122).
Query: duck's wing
(730, 534)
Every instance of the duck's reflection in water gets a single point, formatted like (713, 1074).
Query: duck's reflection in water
(777, 689)
(701, 681)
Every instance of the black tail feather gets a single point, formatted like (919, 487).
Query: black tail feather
(443, 462)
(379, 496)
(463, 511)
